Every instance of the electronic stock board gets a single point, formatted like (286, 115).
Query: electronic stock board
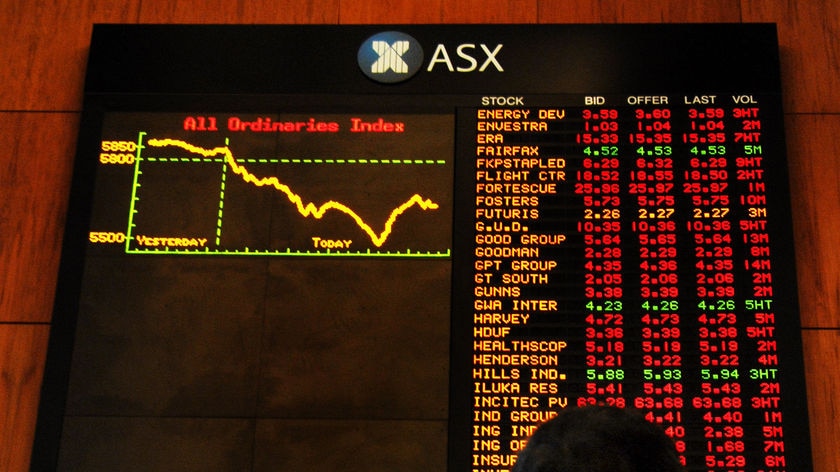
(282, 237)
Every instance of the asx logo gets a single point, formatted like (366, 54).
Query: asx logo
(392, 57)
(466, 61)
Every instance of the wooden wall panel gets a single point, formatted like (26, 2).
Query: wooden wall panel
(810, 50)
(44, 61)
(439, 11)
(44, 57)
(815, 198)
(35, 181)
(639, 11)
(22, 354)
(822, 358)
(240, 11)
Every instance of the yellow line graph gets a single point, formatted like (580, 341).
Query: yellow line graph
(305, 209)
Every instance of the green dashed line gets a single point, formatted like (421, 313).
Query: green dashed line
(221, 204)
(212, 160)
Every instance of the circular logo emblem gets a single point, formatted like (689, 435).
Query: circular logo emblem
(390, 57)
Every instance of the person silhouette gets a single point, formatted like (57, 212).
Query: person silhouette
(598, 439)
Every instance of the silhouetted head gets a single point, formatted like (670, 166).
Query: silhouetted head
(598, 439)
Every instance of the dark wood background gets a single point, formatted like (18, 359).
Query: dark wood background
(43, 52)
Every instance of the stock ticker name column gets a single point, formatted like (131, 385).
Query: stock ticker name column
(517, 378)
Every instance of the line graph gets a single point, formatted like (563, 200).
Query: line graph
(335, 195)
(305, 209)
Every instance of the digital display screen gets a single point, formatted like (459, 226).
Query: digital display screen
(624, 254)
(387, 193)
(541, 218)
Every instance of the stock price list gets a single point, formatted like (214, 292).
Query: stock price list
(633, 251)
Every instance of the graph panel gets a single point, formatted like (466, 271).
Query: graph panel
(290, 184)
